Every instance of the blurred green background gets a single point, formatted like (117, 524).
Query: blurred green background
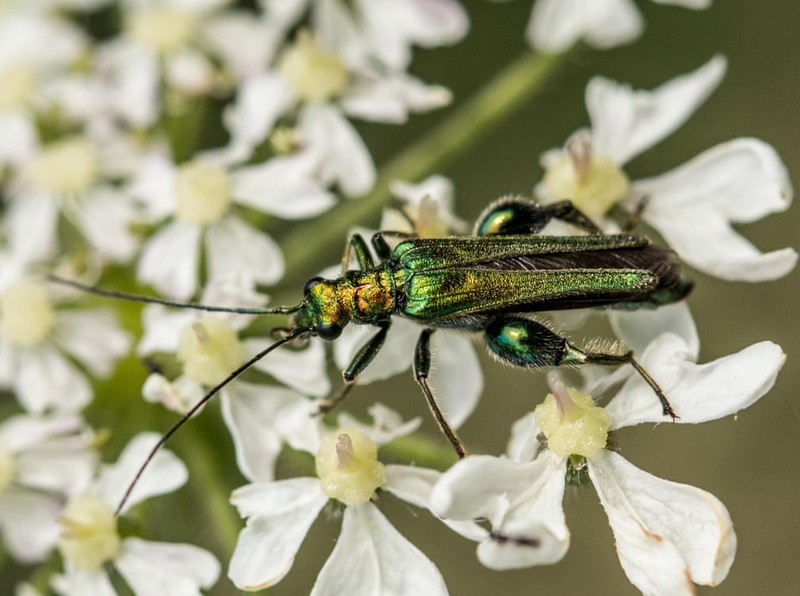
(752, 464)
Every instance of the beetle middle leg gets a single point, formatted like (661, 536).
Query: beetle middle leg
(528, 344)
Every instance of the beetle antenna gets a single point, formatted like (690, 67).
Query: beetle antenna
(193, 410)
(277, 310)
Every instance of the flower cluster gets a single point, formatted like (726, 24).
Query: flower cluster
(168, 145)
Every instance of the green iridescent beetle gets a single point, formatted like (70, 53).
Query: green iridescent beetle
(487, 283)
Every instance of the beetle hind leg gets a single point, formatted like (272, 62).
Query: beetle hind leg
(521, 216)
(528, 344)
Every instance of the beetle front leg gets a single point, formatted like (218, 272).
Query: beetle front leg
(422, 367)
(358, 246)
(365, 355)
(528, 344)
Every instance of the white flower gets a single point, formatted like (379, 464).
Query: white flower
(261, 418)
(198, 198)
(335, 69)
(392, 27)
(35, 49)
(42, 460)
(161, 43)
(668, 535)
(39, 340)
(90, 541)
(370, 556)
(555, 25)
(69, 177)
(693, 206)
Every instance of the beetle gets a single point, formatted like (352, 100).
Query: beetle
(489, 283)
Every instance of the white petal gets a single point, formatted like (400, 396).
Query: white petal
(638, 329)
(261, 419)
(22, 432)
(411, 483)
(189, 71)
(456, 377)
(131, 76)
(17, 139)
(387, 425)
(29, 523)
(523, 444)
(394, 357)
(392, 98)
(437, 187)
(739, 181)
(522, 501)
(233, 246)
(150, 566)
(177, 396)
(31, 223)
(164, 474)
(372, 557)
(85, 583)
(626, 122)
(261, 100)
(697, 392)
(304, 370)
(153, 185)
(162, 327)
(555, 25)
(282, 186)
(65, 464)
(104, 218)
(414, 485)
(667, 534)
(344, 158)
(48, 380)
(93, 337)
(280, 514)
(335, 31)
(170, 259)
(392, 26)
(245, 43)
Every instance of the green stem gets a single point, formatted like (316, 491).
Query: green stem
(310, 245)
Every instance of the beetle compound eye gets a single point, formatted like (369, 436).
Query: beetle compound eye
(310, 284)
(329, 332)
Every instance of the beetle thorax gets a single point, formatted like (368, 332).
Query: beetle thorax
(373, 295)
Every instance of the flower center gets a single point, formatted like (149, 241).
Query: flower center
(26, 313)
(593, 183)
(7, 467)
(202, 192)
(572, 422)
(348, 467)
(312, 73)
(163, 30)
(209, 350)
(17, 83)
(88, 533)
(67, 167)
